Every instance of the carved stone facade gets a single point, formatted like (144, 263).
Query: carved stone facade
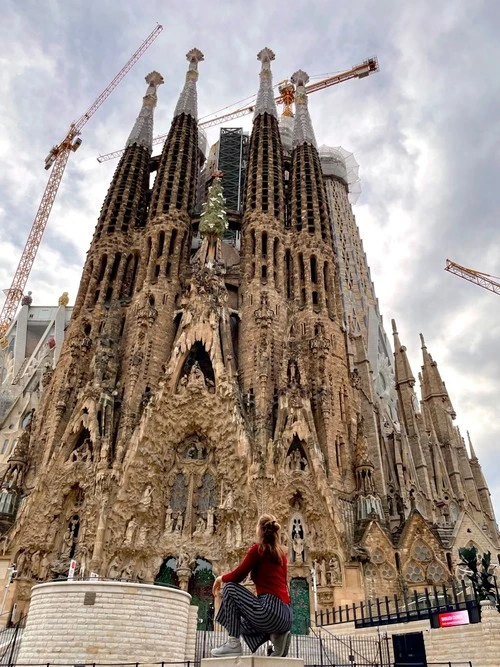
(193, 393)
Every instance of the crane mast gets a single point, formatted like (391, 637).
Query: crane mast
(57, 159)
(476, 277)
(286, 97)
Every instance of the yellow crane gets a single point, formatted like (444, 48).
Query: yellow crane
(476, 277)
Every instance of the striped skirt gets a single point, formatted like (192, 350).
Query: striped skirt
(253, 618)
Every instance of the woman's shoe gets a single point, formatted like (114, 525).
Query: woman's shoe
(231, 648)
(281, 644)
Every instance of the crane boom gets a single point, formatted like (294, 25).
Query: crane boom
(481, 279)
(57, 158)
(285, 97)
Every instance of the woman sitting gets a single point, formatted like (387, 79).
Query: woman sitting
(267, 616)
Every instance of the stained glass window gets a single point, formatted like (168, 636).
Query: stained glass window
(178, 495)
(436, 572)
(207, 494)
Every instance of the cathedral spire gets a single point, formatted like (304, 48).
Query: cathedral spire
(265, 97)
(188, 99)
(402, 365)
(303, 132)
(177, 176)
(142, 132)
(432, 384)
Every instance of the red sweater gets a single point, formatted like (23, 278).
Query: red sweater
(267, 575)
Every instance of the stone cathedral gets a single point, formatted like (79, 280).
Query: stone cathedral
(202, 384)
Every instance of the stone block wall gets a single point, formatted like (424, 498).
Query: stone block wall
(103, 622)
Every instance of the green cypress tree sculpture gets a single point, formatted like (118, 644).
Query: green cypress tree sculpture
(213, 221)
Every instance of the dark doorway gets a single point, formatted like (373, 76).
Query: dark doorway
(301, 606)
(200, 589)
(409, 649)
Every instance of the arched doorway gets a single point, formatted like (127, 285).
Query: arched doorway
(301, 606)
(167, 574)
(200, 589)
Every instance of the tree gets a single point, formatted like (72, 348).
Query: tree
(479, 571)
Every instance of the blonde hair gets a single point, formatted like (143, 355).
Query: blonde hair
(270, 537)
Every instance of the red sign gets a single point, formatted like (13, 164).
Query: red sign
(451, 618)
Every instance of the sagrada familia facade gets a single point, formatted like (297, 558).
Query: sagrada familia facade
(196, 390)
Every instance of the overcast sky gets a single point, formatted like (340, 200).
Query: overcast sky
(425, 131)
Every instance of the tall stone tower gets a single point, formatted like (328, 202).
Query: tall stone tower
(196, 389)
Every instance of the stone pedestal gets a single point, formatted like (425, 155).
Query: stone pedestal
(252, 661)
(108, 622)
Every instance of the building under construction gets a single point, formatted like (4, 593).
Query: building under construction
(200, 384)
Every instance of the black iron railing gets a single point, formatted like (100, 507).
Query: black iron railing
(418, 605)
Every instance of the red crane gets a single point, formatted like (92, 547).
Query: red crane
(57, 159)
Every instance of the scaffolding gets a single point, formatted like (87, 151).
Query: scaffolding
(232, 161)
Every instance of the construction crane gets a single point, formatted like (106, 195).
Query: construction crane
(481, 279)
(57, 159)
(286, 97)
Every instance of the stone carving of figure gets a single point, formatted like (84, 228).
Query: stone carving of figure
(229, 535)
(44, 567)
(69, 538)
(35, 565)
(228, 501)
(130, 532)
(335, 571)
(298, 548)
(182, 559)
(169, 522)
(146, 497)
(200, 528)
(127, 572)
(238, 537)
(210, 522)
(114, 568)
(179, 522)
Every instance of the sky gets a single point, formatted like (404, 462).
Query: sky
(425, 131)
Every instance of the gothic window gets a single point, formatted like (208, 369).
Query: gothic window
(178, 494)
(422, 552)
(414, 573)
(436, 573)
(207, 494)
(378, 556)
(387, 571)
(371, 571)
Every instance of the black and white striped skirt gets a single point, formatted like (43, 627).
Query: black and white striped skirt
(253, 618)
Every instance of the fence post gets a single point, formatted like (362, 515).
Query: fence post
(321, 649)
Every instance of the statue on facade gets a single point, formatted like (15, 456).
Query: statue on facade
(200, 528)
(146, 497)
(169, 521)
(70, 539)
(210, 522)
(130, 533)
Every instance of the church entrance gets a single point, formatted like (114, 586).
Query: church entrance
(301, 606)
(200, 589)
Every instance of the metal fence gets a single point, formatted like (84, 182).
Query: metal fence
(414, 606)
